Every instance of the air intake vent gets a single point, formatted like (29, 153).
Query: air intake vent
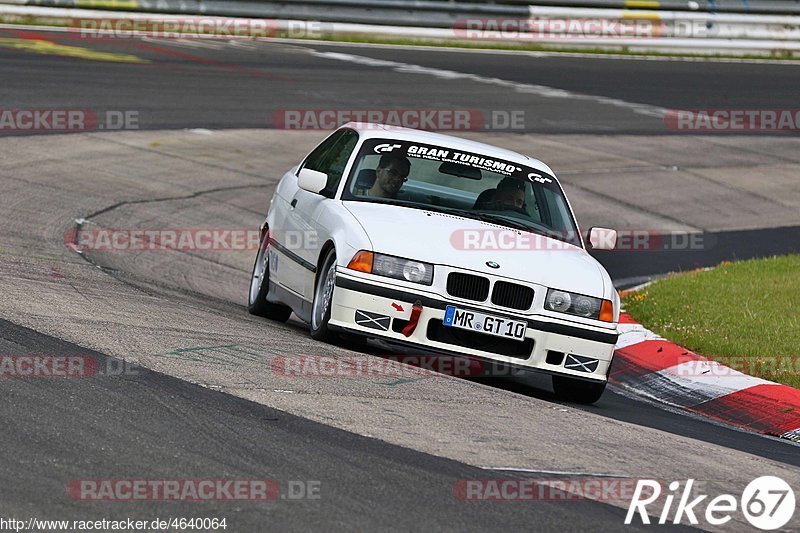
(512, 295)
(479, 341)
(468, 286)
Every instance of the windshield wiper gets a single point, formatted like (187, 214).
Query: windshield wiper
(503, 221)
(494, 218)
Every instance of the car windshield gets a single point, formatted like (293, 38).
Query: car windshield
(467, 184)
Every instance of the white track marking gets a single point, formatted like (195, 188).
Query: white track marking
(630, 334)
(526, 88)
(545, 53)
(180, 42)
(710, 378)
(242, 44)
(547, 472)
(192, 43)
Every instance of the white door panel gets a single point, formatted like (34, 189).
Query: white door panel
(301, 239)
(283, 269)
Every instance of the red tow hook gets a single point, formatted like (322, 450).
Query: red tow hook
(412, 322)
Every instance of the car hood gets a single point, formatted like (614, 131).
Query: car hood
(445, 239)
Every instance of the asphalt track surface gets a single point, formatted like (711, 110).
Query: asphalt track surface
(154, 425)
(174, 80)
(164, 428)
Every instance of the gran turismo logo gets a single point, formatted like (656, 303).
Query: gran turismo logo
(385, 148)
(539, 178)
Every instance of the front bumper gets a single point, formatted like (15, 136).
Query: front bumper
(363, 305)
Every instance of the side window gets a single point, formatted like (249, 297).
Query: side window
(331, 157)
(315, 159)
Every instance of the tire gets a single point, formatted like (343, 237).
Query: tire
(323, 296)
(576, 390)
(257, 303)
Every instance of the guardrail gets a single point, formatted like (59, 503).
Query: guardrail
(773, 7)
(431, 14)
(539, 25)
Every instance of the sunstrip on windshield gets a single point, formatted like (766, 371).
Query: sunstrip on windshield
(451, 155)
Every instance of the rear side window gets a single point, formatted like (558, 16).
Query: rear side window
(331, 157)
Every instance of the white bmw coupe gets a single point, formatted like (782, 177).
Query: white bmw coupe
(438, 244)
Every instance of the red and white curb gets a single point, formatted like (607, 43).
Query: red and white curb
(649, 365)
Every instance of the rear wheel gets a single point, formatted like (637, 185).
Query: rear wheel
(323, 296)
(257, 303)
(577, 390)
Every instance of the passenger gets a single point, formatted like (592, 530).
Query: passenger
(509, 194)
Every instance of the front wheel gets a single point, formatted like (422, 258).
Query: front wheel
(257, 303)
(323, 297)
(577, 390)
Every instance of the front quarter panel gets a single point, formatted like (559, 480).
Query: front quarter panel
(336, 224)
(284, 192)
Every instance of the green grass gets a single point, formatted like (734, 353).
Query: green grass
(744, 314)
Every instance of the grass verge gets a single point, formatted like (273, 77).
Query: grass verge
(745, 315)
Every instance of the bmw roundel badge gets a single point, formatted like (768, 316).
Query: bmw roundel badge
(492, 264)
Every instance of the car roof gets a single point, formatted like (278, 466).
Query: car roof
(368, 130)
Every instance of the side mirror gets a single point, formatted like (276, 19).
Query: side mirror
(312, 180)
(601, 239)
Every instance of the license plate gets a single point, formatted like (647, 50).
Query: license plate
(491, 325)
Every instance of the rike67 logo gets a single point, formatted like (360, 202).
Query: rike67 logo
(768, 503)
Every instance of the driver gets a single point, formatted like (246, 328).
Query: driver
(509, 194)
(390, 174)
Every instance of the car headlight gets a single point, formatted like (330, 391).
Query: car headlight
(399, 268)
(579, 305)
(393, 267)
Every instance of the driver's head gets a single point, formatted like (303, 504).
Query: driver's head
(390, 174)
(510, 192)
